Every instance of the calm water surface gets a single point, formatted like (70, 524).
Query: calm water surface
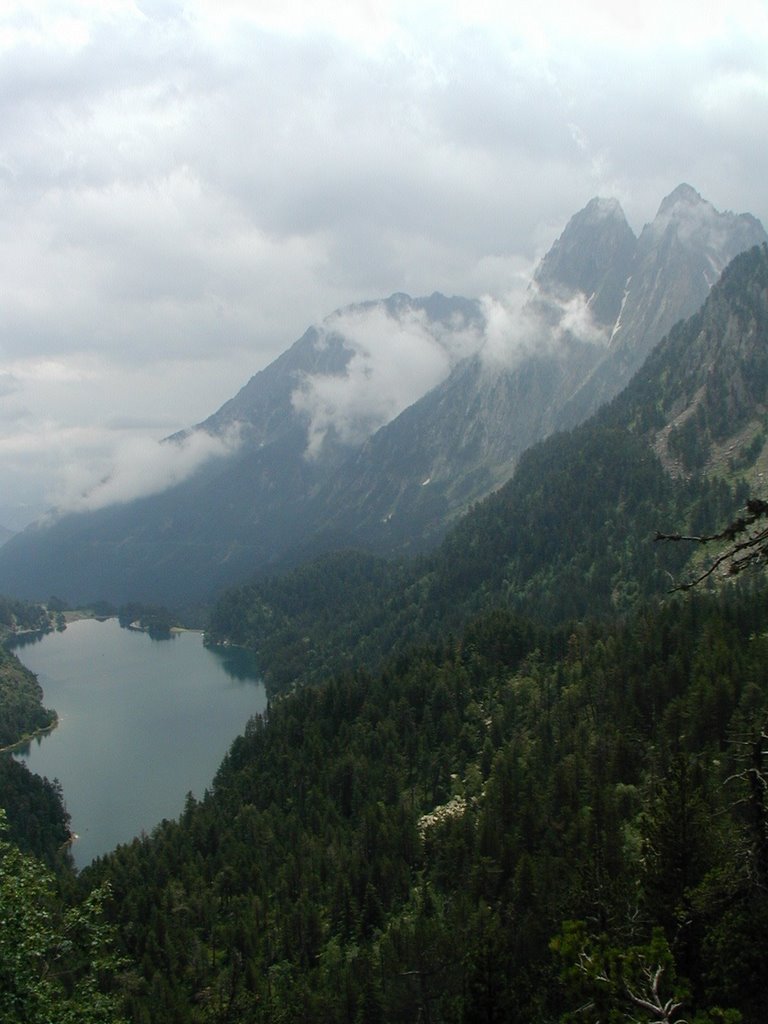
(141, 723)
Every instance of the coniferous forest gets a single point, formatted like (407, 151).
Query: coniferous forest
(521, 824)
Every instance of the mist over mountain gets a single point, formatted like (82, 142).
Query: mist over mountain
(270, 446)
(381, 425)
(599, 301)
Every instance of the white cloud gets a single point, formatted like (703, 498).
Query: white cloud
(513, 330)
(523, 323)
(576, 321)
(396, 359)
(140, 467)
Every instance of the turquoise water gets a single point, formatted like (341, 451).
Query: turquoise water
(141, 723)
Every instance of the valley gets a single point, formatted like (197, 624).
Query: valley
(503, 773)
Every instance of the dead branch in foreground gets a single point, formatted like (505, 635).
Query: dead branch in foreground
(747, 546)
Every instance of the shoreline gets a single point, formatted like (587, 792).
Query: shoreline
(42, 731)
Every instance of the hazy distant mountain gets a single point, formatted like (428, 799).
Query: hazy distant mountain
(296, 421)
(385, 422)
(5, 534)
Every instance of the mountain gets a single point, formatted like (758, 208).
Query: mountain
(600, 300)
(678, 258)
(571, 534)
(472, 816)
(507, 822)
(381, 426)
(592, 258)
(240, 511)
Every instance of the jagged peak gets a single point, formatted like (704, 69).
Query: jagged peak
(602, 208)
(683, 196)
(699, 225)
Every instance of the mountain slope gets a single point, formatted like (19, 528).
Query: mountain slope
(239, 511)
(571, 534)
(509, 822)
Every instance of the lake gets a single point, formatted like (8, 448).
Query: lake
(141, 723)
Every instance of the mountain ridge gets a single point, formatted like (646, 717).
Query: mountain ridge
(319, 468)
(463, 439)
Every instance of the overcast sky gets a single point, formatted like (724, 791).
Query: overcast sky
(186, 186)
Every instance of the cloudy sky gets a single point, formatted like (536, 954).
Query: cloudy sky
(186, 186)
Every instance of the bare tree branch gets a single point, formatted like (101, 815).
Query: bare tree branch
(740, 553)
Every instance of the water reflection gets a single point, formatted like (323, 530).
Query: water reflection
(18, 640)
(237, 662)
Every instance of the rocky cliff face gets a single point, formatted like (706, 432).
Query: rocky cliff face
(678, 257)
(592, 258)
(704, 391)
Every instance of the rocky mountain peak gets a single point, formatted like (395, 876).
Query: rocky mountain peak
(683, 196)
(592, 256)
(710, 238)
(601, 208)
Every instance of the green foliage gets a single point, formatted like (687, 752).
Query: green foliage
(54, 960)
(20, 617)
(37, 821)
(21, 709)
(612, 985)
(153, 619)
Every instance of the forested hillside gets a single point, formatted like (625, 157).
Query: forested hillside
(412, 845)
(21, 709)
(36, 818)
(21, 617)
(569, 536)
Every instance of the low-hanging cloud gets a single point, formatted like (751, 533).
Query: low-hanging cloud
(396, 358)
(576, 321)
(142, 467)
(525, 324)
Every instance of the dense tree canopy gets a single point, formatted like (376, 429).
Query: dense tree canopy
(412, 844)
